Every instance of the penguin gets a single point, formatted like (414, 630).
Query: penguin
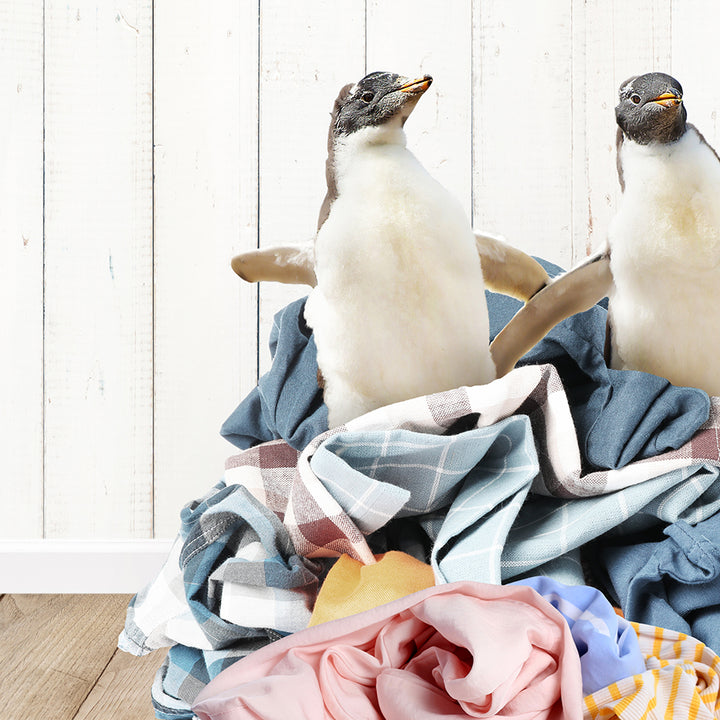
(660, 266)
(398, 276)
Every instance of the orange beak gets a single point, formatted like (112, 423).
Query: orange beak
(667, 99)
(420, 85)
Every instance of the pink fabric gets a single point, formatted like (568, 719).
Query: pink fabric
(458, 650)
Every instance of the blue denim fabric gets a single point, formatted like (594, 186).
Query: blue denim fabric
(287, 402)
(674, 583)
(620, 415)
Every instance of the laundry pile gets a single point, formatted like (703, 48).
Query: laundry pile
(458, 553)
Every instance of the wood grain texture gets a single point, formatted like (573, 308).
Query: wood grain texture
(305, 59)
(206, 186)
(695, 58)
(60, 661)
(122, 692)
(21, 266)
(126, 337)
(436, 41)
(98, 270)
(522, 121)
(611, 42)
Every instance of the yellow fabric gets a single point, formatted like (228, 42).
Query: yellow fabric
(682, 682)
(351, 587)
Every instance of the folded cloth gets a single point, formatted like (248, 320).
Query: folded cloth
(352, 587)
(482, 503)
(674, 583)
(682, 682)
(287, 402)
(231, 584)
(231, 575)
(656, 416)
(475, 496)
(458, 650)
(607, 643)
(619, 415)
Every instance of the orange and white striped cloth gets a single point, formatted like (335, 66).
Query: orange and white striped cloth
(682, 682)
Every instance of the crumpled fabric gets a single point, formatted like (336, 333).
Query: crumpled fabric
(231, 584)
(620, 416)
(681, 681)
(511, 656)
(352, 587)
(673, 583)
(476, 502)
(231, 574)
(287, 403)
(607, 643)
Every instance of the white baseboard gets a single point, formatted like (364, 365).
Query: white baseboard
(79, 566)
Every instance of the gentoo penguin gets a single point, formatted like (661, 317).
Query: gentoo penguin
(661, 266)
(398, 305)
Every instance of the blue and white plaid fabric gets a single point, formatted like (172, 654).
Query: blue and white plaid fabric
(506, 497)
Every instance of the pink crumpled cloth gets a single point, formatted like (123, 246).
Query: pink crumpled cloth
(457, 650)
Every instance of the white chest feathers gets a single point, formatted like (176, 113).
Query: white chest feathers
(665, 260)
(399, 310)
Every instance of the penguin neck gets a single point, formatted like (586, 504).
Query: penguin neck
(674, 169)
(368, 144)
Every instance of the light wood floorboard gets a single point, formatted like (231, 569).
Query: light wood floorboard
(60, 660)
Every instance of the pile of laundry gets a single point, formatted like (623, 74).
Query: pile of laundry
(544, 545)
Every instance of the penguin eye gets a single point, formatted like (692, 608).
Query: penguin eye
(635, 98)
(367, 97)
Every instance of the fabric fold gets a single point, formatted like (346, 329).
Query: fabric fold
(512, 655)
(657, 416)
(673, 583)
(681, 681)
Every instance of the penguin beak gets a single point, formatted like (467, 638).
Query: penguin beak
(668, 99)
(417, 86)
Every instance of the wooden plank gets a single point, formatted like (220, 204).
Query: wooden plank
(21, 266)
(206, 193)
(436, 41)
(53, 649)
(695, 58)
(305, 59)
(611, 42)
(98, 282)
(122, 692)
(522, 120)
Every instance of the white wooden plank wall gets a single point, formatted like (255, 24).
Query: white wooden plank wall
(143, 144)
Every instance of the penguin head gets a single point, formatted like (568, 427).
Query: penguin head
(377, 99)
(651, 109)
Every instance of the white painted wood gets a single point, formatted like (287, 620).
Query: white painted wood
(522, 124)
(611, 42)
(695, 59)
(98, 277)
(149, 343)
(21, 267)
(206, 196)
(308, 51)
(72, 566)
(436, 40)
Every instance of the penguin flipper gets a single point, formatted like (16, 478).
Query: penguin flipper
(508, 270)
(289, 264)
(574, 291)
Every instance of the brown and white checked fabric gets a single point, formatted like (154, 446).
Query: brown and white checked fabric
(282, 479)
(317, 525)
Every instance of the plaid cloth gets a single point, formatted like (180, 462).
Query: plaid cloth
(619, 416)
(505, 497)
(682, 680)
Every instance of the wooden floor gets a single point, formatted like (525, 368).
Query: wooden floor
(60, 661)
